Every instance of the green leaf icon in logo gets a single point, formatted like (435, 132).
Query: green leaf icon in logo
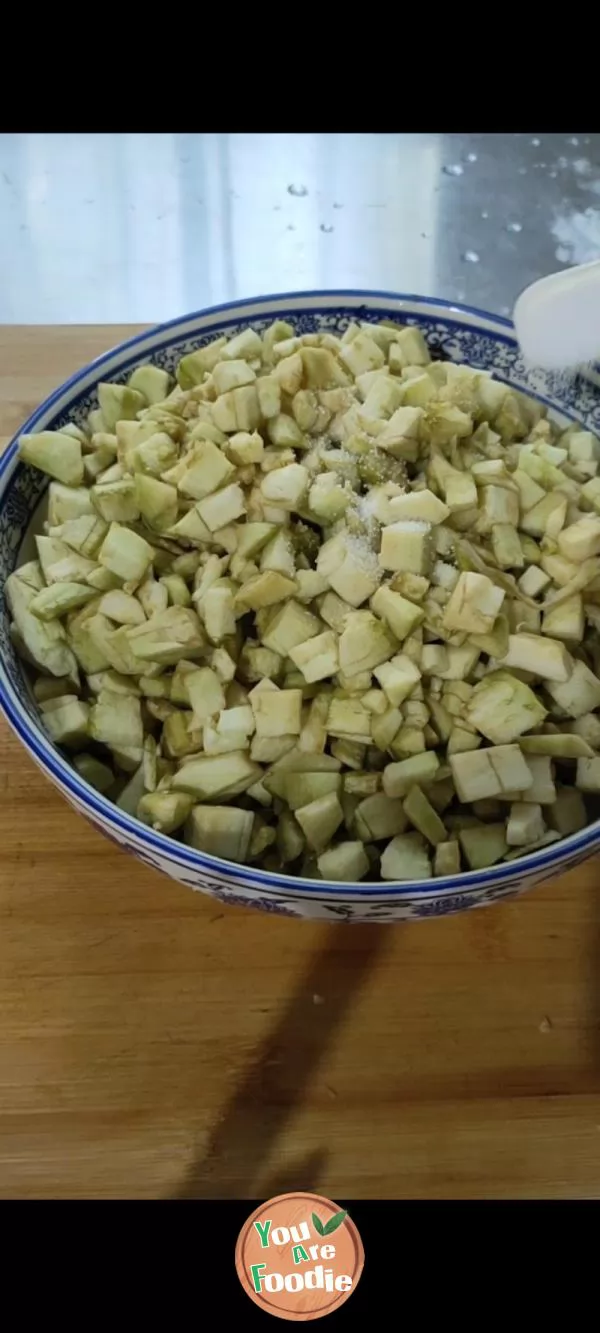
(318, 1225)
(334, 1222)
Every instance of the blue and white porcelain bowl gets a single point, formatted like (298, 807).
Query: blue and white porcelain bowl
(460, 333)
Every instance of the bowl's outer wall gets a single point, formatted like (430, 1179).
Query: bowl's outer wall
(455, 332)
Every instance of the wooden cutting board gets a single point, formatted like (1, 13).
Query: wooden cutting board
(155, 1044)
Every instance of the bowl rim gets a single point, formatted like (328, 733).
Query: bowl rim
(187, 858)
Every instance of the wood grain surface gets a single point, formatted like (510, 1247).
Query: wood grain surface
(154, 1044)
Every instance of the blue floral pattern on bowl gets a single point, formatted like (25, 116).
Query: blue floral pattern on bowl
(452, 331)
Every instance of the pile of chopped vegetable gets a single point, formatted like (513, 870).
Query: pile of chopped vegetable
(324, 605)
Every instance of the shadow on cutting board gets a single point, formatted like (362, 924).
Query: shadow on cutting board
(594, 977)
(247, 1133)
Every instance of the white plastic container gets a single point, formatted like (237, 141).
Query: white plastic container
(557, 319)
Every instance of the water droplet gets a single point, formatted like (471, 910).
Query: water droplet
(553, 175)
(574, 140)
(454, 169)
(514, 226)
(536, 142)
(471, 257)
(325, 227)
(505, 310)
(563, 254)
(522, 171)
(471, 157)
(338, 205)
(425, 235)
(298, 190)
(290, 227)
(277, 208)
(484, 214)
